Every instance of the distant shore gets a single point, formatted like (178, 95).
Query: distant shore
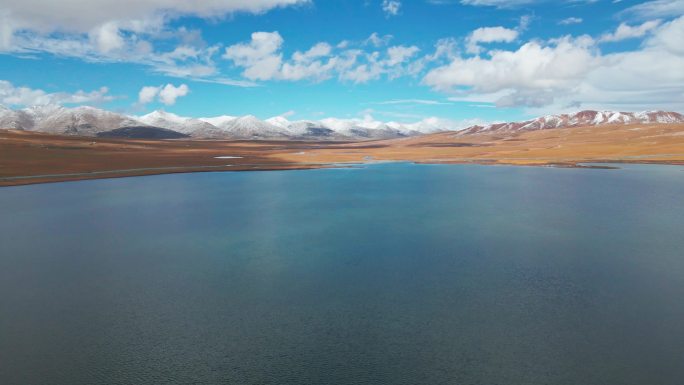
(29, 158)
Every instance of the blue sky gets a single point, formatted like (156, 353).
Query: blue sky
(395, 60)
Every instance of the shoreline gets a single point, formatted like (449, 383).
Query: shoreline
(33, 158)
(116, 174)
(26, 180)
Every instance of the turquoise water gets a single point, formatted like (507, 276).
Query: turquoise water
(390, 274)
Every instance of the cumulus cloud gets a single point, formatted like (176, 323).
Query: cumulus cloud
(318, 50)
(533, 65)
(25, 96)
(147, 94)
(365, 67)
(377, 40)
(184, 60)
(316, 63)
(656, 9)
(391, 7)
(86, 15)
(261, 58)
(498, 3)
(571, 20)
(122, 31)
(170, 93)
(532, 74)
(399, 54)
(107, 37)
(166, 94)
(570, 72)
(6, 30)
(625, 31)
(444, 49)
(668, 38)
(536, 73)
(414, 101)
(489, 35)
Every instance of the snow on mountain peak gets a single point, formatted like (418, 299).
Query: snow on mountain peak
(161, 115)
(582, 118)
(279, 121)
(219, 121)
(91, 121)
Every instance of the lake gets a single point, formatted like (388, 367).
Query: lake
(387, 274)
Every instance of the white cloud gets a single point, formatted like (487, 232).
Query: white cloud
(489, 35)
(370, 66)
(260, 57)
(170, 93)
(122, 31)
(512, 3)
(532, 74)
(498, 3)
(306, 64)
(625, 31)
(414, 101)
(362, 73)
(316, 70)
(6, 30)
(571, 20)
(391, 7)
(534, 66)
(86, 15)
(445, 49)
(399, 54)
(318, 50)
(26, 96)
(378, 40)
(147, 94)
(571, 72)
(557, 72)
(657, 8)
(166, 94)
(669, 38)
(107, 37)
(182, 61)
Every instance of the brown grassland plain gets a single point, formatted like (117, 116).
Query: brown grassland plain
(28, 157)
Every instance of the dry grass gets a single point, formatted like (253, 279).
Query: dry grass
(661, 143)
(44, 156)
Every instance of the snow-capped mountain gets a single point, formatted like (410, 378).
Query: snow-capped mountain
(91, 121)
(219, 121)
(582, 118)
(16, 120)
(196, 128)
(306, 129)
(279, 121)
(86, 121)
(367, 128)
(250, 127)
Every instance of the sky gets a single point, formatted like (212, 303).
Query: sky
(394, 60)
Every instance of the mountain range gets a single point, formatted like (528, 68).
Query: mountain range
(579, 119)
(90, 121)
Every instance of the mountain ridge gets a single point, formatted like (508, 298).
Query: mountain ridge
(578, 119)
(91, 121)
